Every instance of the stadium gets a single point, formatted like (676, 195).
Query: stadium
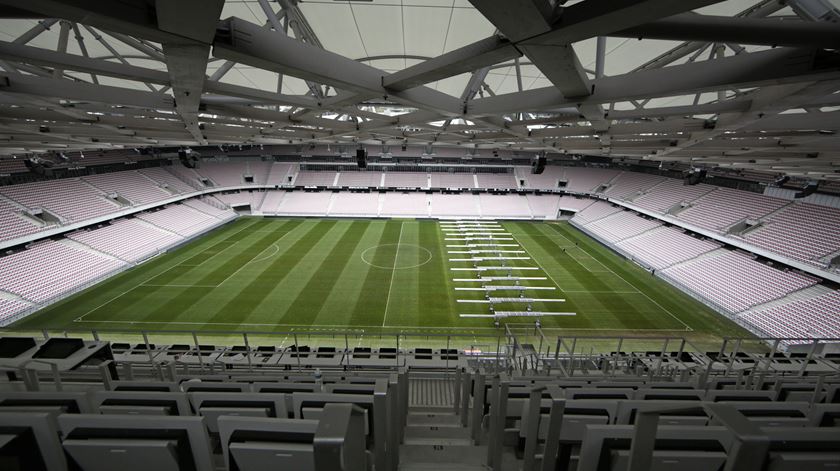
(379, 235)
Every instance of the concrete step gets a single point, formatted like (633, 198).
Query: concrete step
(443, 455)
(443, 410)
(426, 434)
(426, 418)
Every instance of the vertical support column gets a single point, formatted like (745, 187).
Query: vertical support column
(532, 428)
(457, 390)
(380, 424)
(478, 407)
(552, 439)
(465, 398)
(498, 417)
(198, 352)
(247, 351)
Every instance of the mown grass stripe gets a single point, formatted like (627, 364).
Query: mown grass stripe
(312, 297)
(250, 295)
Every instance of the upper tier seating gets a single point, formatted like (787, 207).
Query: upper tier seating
(587, 180)
(224, 173)
(69, 198)
(735, 281)
(12, 224)
(666, 246)
(547, 180)
(724, 207)
(629, 184)
(496, 180)
(669, 193)
(163, 177)
(309, 178)
(452, 180)
(279, 173)
(406, 179)
(133, 186)
(800, 231)
(359, 179)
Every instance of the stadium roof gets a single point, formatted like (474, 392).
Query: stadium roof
(741, 83)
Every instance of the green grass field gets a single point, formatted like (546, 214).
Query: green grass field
(273, 275)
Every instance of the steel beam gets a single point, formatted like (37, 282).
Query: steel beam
(772, 67)
(769, 32)
(471, 57)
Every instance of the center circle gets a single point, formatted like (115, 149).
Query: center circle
(396, 256)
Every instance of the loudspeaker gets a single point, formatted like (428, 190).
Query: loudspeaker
(808, 190)
(361, 158)
(189, 160)
(538, 164)
(694, 176)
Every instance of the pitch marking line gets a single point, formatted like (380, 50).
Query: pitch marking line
(687, 327)
(393, 273)
(352, 329)
(79, 319)
(255, 258)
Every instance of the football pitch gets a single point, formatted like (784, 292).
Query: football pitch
(281, 274)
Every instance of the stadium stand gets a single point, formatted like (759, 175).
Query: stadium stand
(496, 180)
(504, 205)
(13, 223)
(736, 281)
(271, 202)
(182, 219)
(130, 240)
(569, 409)
(454, 205)
(405, 204)
(622, 225)
(670, 193)
(280, 173)
(803, 232)
(808, 318)
(452, 180)
(595, 211)
(54, 196)
(303, 204)
(167, 180)
(665, 246)
(406, 180)
(47, 269)
(360, 179)
(308, 178)
(723, 207)
(630, 184)
(133, 186)
(354, 204)
(544, 206)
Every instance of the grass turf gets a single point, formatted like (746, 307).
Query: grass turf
(273, 275)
